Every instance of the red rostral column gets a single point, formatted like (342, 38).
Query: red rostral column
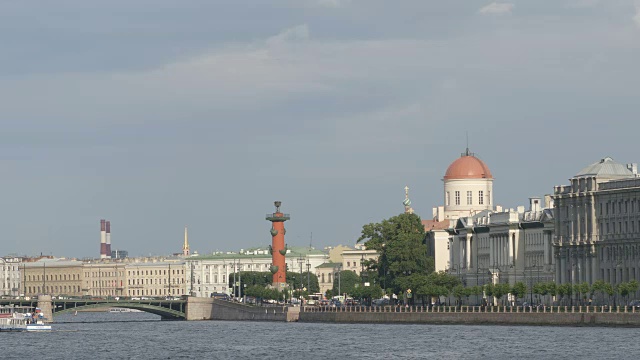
(278, 249)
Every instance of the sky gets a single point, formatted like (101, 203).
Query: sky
(156, 114)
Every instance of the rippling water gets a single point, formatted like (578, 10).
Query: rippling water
(143, 336)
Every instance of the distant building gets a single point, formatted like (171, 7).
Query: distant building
(53, 277)
(211, 273)
(10, 273)
(468, 190)
(504, 246)
(598, 224)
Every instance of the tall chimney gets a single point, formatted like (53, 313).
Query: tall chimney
(108, 252)
(103, 239)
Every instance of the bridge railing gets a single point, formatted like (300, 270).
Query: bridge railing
(474, 309)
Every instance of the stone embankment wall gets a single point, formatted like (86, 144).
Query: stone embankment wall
(225, 310)
(199, 308)
(44, 303)
(476, 318)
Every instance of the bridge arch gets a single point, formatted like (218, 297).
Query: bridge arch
(167, 313)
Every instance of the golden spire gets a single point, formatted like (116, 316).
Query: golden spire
(185, 246)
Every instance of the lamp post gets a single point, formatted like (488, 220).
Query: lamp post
(531, 280)
(300, 261)
(308, 274)
(334, 277)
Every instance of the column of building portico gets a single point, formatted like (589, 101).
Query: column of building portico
(563, 266)
(587, 266)
(468, 253)
(595, 274)
(578, 277)
(501, 251)
(558, 270)
(491, 250)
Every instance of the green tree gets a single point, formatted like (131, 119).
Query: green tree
(552, 289)
(400, 242)
(500, 290)
(458, 292)
(562, 291)
(584, 289)
(346, 281)
(610, 291)
(633, 286)
(623, 290)
(489, 290)
(519, 290)
(600, 287)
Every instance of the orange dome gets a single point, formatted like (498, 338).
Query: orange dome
(468, 167)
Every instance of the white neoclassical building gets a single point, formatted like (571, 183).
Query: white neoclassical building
(213, 273)
(598, 224)
(468, 190)
(504, 246)
(471, 237)
(10, 284)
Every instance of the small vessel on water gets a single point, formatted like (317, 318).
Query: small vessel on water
(21, 318)
(123, 310)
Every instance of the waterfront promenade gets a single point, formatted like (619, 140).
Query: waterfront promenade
(476, 315)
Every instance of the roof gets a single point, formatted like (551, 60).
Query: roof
(435, 225)
(606, 168)
(294, 251)
(468, 167)
(328, 265)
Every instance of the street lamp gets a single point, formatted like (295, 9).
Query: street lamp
(338, 267)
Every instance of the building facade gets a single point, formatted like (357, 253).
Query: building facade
(54, 277)
(213, 273)
(504, 247)
(598, 225)
(156, 278)
(104, 279)
(11, 281)
(468, 190)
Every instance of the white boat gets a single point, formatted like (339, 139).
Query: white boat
(123, 310)
(19, 318)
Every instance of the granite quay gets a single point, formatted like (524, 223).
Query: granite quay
(477, 315)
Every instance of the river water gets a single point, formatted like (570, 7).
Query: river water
(143, 336)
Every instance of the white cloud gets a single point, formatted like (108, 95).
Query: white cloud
(497, 8)
(296, 33)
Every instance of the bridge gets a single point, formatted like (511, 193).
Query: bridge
(190, 309)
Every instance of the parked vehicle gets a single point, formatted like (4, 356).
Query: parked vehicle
(635, 304)
(381, 302)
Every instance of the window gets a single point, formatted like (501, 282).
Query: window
(480, 197)
(600, 208)
(469, 197)
(447, 199)
(457, 194)
(607, 208)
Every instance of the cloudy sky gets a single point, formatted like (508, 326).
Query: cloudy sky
(158, 114)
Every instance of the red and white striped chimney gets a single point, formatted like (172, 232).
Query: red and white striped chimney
(103, 239)
(108, 253)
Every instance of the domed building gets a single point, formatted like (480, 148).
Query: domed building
(468, 190)
(468, 187)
